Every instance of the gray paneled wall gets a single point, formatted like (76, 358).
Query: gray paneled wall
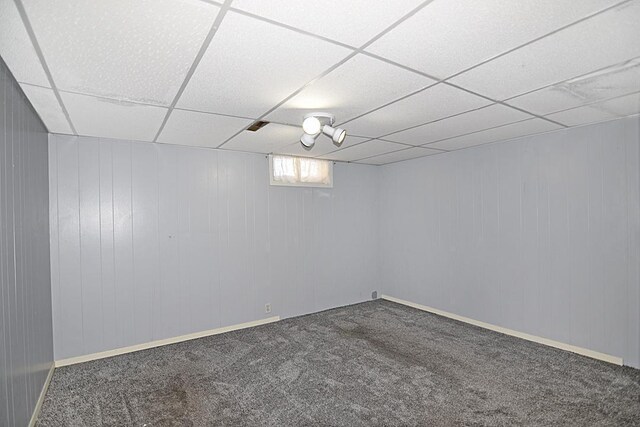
(539, 235)
(150, 241)
(26, 347)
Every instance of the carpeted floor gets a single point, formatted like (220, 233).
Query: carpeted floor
(370, 364)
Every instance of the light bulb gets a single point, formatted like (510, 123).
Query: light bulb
(339, 135)
(311, 125)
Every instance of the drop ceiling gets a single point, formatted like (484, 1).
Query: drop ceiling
(406, 78)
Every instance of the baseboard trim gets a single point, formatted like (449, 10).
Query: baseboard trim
(159, 343)
(43, 393)
(551, 343)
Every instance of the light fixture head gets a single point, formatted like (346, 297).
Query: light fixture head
(315, 123)
(308, 140)
(311, 125)
(336, 134)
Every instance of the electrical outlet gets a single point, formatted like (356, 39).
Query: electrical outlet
(267, 308)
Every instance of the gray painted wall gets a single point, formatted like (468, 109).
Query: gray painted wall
(26, 347)
(150, 241)
(540, 235)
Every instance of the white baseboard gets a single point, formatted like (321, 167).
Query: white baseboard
(551, 343)
(158, 343)
(43, 392)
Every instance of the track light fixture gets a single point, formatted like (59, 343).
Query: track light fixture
(336, 134)
(308, 140)
(316, 123)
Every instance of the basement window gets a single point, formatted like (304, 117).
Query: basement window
(300, 171)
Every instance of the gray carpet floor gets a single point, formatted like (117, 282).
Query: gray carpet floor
(370, 364)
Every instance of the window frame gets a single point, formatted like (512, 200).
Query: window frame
(272, 181)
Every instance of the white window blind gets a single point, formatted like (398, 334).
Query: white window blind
(300, 171)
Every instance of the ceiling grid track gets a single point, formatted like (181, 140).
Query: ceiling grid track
(446, 80)
(477, 85)
(45, 67)
(207, 41)
(557, 30)
(579, 76)
(330, 69)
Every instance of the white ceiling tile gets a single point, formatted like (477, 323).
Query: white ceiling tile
(548, 100)
(358, 86)
(322, 147)
(16, 48)
(607, 39)
(131, 50)
(610, 82)
(353, 22)
(48, 108)
(107, 118)
(366, 149)
(484, 118)
(432, 104)
(266, 139)
(510, 131)
(600, 111)
(251, 66)
(200, 129)
(622, 106)
(582, 116)
(397, 156)
(449, 36)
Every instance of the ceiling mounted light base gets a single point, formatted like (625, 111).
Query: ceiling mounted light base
(320, 122)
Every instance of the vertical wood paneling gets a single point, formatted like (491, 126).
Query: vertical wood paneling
(510, 238)
(236, 275)
(354, 202)
(70, 267)
(107, 247)
(325, 254)
(17, 293)
(170, 313)
(90, 245)
(54, 240)
(278, 264)
(489, 265)
(184, 296)
(144, 227)
(613, 293)
(26, 336)
(597, 233)
(261, 280)
(214, 264)
(545, 285)
(6, 398)
(529, 253)
(192, 239)
(549, 245)
(632, 341)
(198, 241)
(125, 286)
(250, 226)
